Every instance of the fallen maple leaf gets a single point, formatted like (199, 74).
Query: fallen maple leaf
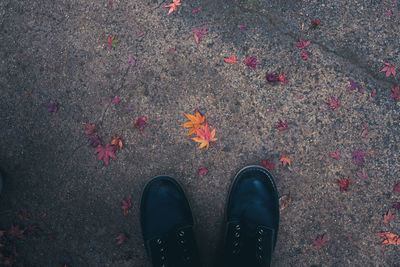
(271, 77)
(320, 242)
(251, 62)
(105, 153)
(126, 204)
(115, 100)
(314, 24)
(373, 93)
(335, 155)
(132, 61)
(358, 156)
(231, 60)
(116, 142)
(199, 34)
(362, 175)
(121, 238)
(388, 217)
(284, 202)
(389, 238)
(141, 123)
(95, 140)
(333, 103)
(343, 184)
(302, 44)
(282, 125)
(396, 205)
(173, 6)
(282, 78)
(112, 43)
(267, 164)
(52, 106)
(196, 10)
(194, 122)
(305, 55)
(389, 12)
(364, 129)
(204, 137)
(396, 93)
(242, 27)
(90, 128)
(24, 214)
(390, 69)
(396, 188)
(353, 86)
(285, 160)
(16, 232)
(202, 171)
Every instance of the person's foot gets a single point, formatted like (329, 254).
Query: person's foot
(167, 224)
(252, 219)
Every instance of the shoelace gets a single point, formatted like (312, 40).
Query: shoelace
(162, 257)
(236, 242)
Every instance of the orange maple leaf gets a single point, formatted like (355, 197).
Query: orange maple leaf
(285, 160)
(194, 122)
(388, 217)
(204, 137)
(116, 142)
(390, 238)
(231, 60)
(173, 6)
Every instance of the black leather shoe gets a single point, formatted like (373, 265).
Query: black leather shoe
(252, 219)
(167, 224)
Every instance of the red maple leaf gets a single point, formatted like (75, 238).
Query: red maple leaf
(202, 170)
(285, 160)
(267, 164)
(343, 184)
(126, 204)
(390, 69)
(396, 188)
(314, 24)
(335, 155)
(320, 242)
(173, 6)
(204, 137)
(231, 60)
(199, 34)
(396, 205)
(396, 93)
(305, 55)
(272, 77)
(24, 214)
(373, 93)
(141, 123)
(282, 125)
(390, 238)
(90, 128)
(16, 232)
(121, 238)
(302, 44)
(105, 153)
(251, 62)
(282, 78)
(333, 103)
(388, 217)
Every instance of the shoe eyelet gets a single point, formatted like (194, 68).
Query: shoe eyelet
(159, 241)
(181, 233)
(259, 248)
(162, 258)
(259, 239)
(187, 258)
(182, 241)
(259, 257)
(163, 265)
(261, 231)
(237, 234)
(237, 227)
(162, 249)
(236, 244)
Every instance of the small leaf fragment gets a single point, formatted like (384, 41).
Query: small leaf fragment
(284, 202)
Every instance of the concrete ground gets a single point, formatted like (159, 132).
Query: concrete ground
(58, 50)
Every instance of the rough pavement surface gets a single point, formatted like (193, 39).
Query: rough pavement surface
(57, 50)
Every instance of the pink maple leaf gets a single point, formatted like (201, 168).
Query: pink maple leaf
(396, 188)
(282, 78)
(373, 93)
(105, 153)
(304, 55)
(343, 184)
(202, 171)
(199, 34)
(335, 155)
(242, 27)
(52, 106)
(282, 125)
(121, 238)
(390, 69)
(302, 44)
(353, 86)
(388, 13)
(251, 62)
(396, 93)
(196, 10)
(333, 103)
(126, 204)
(358, 156)
(320, 242)
(272, 77)
(132, 61)
(95, 140)
(116, 100)
(362, 175)
(141, 123)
